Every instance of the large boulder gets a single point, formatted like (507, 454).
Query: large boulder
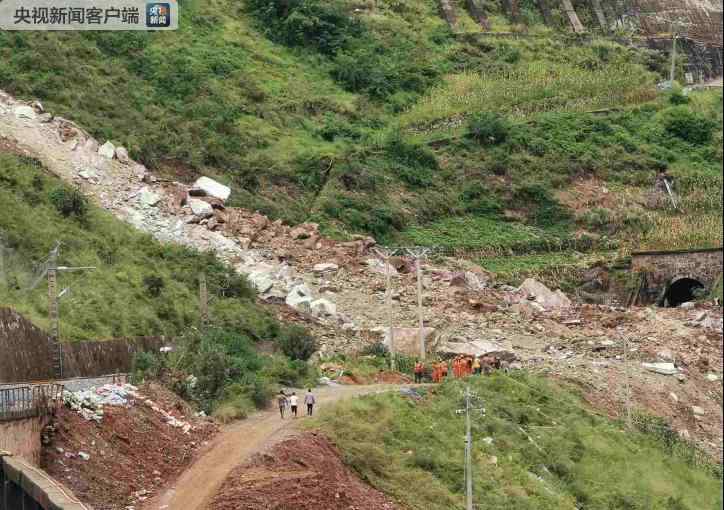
(25, 112)
(200, 208)
(474, 348)
(262, 281)
(300, 298)
(328, 267)
(534, 290)
(407, 340)
(213, 188)
(122, 155)
(148, 198)
(107, 150)
(323, 308)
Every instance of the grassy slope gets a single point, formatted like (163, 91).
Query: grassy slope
(414, 451)
(118, 298)
(330, 122)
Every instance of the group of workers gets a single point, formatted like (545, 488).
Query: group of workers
(461, 366)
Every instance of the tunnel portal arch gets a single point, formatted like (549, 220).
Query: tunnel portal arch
(681, 290)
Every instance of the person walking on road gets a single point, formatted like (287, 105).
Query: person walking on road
(282, 401)
(294, 402)
(310, 401)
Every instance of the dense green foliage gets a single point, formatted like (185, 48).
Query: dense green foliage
(536, 447)
(139, 286)
(375, 118)
(222, 371)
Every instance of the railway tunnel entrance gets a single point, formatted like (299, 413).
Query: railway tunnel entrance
(682, 290)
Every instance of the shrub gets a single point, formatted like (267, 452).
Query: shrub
(688, 125)
(297, 343)
(69, 202)
(489, 128)
(154, 285)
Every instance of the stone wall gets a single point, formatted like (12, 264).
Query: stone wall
(661, 268)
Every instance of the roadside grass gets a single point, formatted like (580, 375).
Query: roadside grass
(548, 451)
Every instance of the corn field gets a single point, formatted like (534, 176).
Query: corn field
(537, 88)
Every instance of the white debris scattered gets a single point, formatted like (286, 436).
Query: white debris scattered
(89, 403)
(84, 455)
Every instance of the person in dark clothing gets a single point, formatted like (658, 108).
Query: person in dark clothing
(419, 371)
(310, 401)
(282, 401)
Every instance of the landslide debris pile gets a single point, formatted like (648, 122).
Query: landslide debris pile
(115, 445)
(304, 473)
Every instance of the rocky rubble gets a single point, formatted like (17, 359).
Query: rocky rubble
(338, 289)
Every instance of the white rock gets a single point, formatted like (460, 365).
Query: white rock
(25, 112)
(200, 208)
(300, 298)
(213, 188)
(88, 173)
(712, 377)
(543, 295)
(328, 267)
(698, 411)
(107, 150)
(148, 198)
(661, 368)
(84, 455)
(674, 396)
(122, 155)
(665, 354)
(688, 305)
(323, 308)
(261, 281)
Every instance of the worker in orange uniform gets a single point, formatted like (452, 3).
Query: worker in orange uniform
(419, 370)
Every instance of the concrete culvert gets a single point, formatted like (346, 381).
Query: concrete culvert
(682, 290)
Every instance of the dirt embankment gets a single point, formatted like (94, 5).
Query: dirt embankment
(303, 473)
(121, 461)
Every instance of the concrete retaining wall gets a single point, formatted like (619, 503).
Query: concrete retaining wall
(25, 487)
(22, 438)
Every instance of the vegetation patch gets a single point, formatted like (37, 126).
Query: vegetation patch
(537, 446)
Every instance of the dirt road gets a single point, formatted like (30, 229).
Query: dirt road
(236, 443)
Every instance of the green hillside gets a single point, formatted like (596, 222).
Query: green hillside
(375, 117)
(536, 447)
(140, 287)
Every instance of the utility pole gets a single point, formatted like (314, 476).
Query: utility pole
(674, 35)
(419, 253)
(385, 255)
(469, 446)
(52, 269)
(203, 299)
(468, 453)
(627, 395)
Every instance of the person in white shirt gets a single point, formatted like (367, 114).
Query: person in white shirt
(294, 402)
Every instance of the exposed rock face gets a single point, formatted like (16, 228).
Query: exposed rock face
(213, 188)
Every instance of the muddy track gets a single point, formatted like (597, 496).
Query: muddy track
(197, 486)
